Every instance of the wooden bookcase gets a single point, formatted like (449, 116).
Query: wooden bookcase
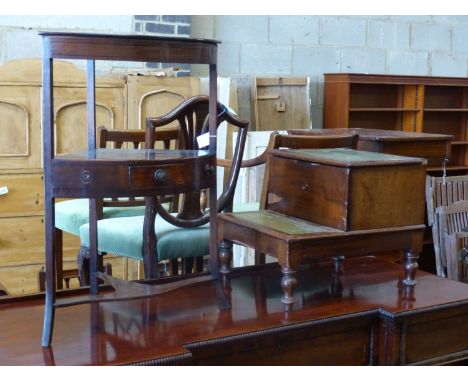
(402, 103)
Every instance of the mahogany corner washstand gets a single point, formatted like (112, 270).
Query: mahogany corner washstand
(99, 173)
(332, 203)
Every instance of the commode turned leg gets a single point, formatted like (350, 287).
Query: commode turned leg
(288, 283)
(225, 257)
(410, 266)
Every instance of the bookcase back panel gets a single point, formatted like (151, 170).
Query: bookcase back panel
(376, 120)
(372, 96)
(446, 123)
(444, 97)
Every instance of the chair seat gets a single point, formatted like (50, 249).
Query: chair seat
(70, 215)
(124, 237)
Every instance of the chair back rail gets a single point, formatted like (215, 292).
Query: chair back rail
(442, 192)
(118, 138)
(192, 118)
(452, 220)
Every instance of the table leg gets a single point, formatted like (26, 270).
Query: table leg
(288, 283)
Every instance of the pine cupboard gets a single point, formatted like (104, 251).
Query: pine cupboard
(121, 101)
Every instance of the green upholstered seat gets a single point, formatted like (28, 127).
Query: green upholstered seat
(124, 237)
(70, 215)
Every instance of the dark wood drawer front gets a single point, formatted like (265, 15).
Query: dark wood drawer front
(157, 176)
(176, 176)
(100, 179)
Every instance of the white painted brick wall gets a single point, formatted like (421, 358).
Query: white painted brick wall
(115, 24)
(454, 63)
(21, 44)
(263, 59)
(412, 45)
(460, 38)
(388, 35)
(228, 58)
(251, 29)
(284, 45)
(412, 18)
(310, 60)
(363, 60)
(408, 62)
(431, 37)
(305, 31)
(20, 38)
(343, 31)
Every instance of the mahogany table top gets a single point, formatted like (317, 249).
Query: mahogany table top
(166, 326)
(132, 155)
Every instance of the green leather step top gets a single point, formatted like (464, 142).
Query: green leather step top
(282, 223)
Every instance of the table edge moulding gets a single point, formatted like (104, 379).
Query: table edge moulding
(67, 176)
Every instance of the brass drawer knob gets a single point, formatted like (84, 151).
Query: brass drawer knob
(160, 175)
(209, 169)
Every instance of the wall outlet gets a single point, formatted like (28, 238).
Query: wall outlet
(3, 190)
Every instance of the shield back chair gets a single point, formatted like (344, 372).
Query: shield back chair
(442, 192)
(453, 223)
(161, 235)
(70, 215)
(287, 141)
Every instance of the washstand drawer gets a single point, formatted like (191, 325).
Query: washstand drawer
(177, 176)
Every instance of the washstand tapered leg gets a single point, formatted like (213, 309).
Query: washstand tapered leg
(49, 308)
(288, 283)
(410, 266)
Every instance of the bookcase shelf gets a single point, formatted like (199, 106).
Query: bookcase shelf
(386, 109)
(445, 110)
(421, 104)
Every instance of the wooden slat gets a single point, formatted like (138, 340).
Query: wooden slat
(25, 195)
(23, 279)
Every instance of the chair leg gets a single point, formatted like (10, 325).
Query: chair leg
(107, 268)
(199, 264)
(259, 258)
(41, 278)
(188, 264)
(175, 267)
(83, 262)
